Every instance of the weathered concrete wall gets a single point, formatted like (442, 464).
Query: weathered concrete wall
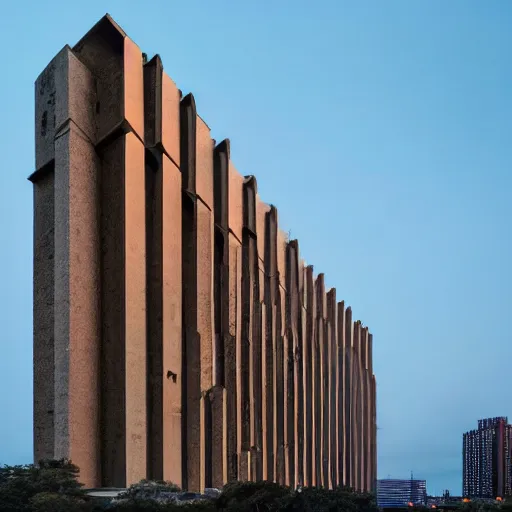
(178, 334)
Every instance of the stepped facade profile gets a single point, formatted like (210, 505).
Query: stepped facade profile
(178, 334)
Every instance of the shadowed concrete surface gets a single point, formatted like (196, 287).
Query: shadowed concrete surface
(178, 334)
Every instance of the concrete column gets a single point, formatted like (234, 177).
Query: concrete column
(226, 310)
(306, 373)
(281, 403)
(66, 266)
(233, 354)
(164, 273)
(357, 427)
(374, 434)
(289, 353)
(340, 408)
(251, 322)
(318, 388)
(205, 281)
(332, 385)
(57, 118)
(371, 419)
(360, 410)
(323, 343)
(116, 63)
(235, 201)
(310, 385)
(348, 396)
(271, 298)
(295, 415)
(198, 260)
(368, 413)
(44, 315)
(287, 358)
(76, 296)
(191, 355)
(263, 326)
(260, 368)
(224, 411)
(266, 263)
(363, 408)
(218, 411)
(124, 312)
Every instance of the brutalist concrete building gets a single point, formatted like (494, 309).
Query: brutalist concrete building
(178, 334)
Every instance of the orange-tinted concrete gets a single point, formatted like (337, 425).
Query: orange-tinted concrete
(348, 396)
(164, 269)
(332, 333)
(310, 423)
(341, 415)
(178, 334)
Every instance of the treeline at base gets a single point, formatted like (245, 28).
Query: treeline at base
(53, 486)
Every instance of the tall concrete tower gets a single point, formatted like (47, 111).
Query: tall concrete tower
(178, 334)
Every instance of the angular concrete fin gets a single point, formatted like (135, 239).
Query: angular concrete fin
(153, 101)
(332, 335)
(297, 268)
(161, 110)
(104, 25)
(364, 348)
(116, 61)
(309, 426)
(261, 211)
(235, 199)
(221, 265)
(281, 256)
(188, 116)
(271, 240)
(357, 338)
(292, 267)
(320, 295)
(341, 392)
(250, 191)
(341, 323)
(170, 134)
(348, 317)
(370, 352)
(221, 184)
(331, 303)
(64, 92)
(204, 164)
(295, 244)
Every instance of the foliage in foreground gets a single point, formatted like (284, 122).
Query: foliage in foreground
(52, 486)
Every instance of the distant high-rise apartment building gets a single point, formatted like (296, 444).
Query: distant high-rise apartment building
(486, 459)
(393, 493)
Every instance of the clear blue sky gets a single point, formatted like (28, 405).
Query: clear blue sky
(382, 132)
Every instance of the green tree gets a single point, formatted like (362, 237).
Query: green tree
(50, 486)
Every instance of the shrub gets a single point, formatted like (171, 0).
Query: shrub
(258, 496)
(55, 502)
(148, 489)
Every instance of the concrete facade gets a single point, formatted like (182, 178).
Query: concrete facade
(178, 334)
